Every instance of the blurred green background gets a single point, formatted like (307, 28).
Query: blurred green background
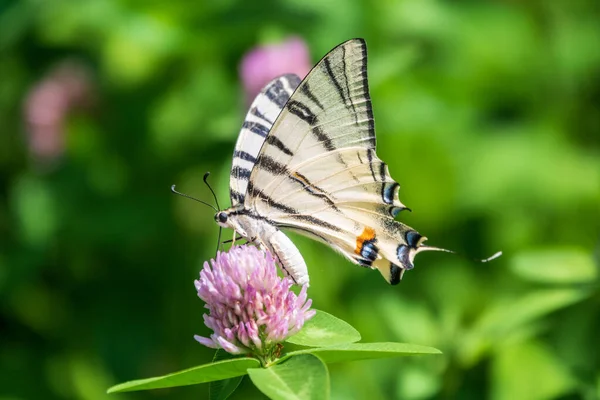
(488, 114)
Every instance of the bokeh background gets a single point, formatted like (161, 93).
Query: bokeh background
(488, 114)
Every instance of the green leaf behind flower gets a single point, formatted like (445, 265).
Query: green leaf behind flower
(222, 389)
(301, 377)
(365, 351)
(200, 374)
(325, 330)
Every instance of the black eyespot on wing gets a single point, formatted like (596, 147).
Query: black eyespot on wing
(402, 252)
(412, 239)
(387, 192)
(369, 252)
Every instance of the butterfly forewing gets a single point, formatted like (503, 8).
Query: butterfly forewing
(317, 172)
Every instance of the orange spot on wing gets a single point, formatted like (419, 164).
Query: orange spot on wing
(367, 234)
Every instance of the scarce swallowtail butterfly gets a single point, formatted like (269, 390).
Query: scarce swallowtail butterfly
(305, 161)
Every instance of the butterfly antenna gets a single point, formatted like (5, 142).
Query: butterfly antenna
(211, 189)
(205, 179)
(484, 260)
(192, 198)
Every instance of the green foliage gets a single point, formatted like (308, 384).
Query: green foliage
(298, 374)
(365, 351)
(301, 377)
(204, 373)
(538, 365)
(223, 388)
(559, 266)
(487, 114)
(325, 330)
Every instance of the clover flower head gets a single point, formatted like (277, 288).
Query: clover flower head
(251, 308)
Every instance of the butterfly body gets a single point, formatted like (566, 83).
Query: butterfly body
(305, 161)
(264, 232)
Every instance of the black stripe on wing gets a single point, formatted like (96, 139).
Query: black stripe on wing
(278, 94)
(315, 221)
(236, 196)
(367, 96)
(302, 111)
(254, 111)
(240, 173)
(305, 89)
(273, 140)
(313, 189)
(370, 153)
(292, 213)
(256, 127)
(334, 81)
(342, 88)
(244, 156)
(276, 168)
(267, 163)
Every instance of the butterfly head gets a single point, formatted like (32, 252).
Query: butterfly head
(222, 218)
(234, 219)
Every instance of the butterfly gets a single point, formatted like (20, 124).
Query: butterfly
(305, 161)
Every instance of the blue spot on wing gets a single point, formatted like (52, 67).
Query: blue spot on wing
(403, 252)
(368, 253)
(412, 238)
(388, 192)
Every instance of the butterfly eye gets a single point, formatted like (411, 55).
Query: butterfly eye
(221, 217)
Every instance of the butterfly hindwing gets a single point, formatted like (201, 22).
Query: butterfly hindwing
(258, 122)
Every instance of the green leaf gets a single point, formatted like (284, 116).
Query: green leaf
(36, 210)
(510, 318)
(556, 266)
(536, 363)
(301, 377)
(418, 382)
(201, 374)
(506, 316)
(424, 325)
(222, 389)
(365, 351)
(325, 330)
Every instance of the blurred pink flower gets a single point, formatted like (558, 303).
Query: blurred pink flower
(47, 105)
(264, 63)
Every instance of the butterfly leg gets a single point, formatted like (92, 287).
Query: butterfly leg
(234, 240)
